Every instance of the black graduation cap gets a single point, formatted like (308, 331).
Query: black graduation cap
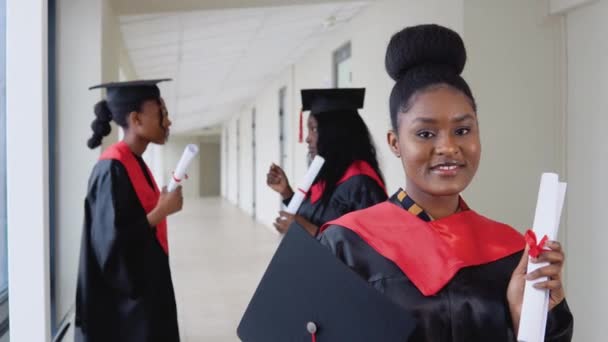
(307, 294)
(330, 100)
(131, 91)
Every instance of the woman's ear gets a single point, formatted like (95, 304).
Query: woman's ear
(133, 119)
(393, 143)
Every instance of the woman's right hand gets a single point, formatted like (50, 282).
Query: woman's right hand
(168, 203)
(277, 181)
(171, 202)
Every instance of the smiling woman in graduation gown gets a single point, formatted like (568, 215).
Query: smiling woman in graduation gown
(460, 274)
(350, 178)
(125, 292)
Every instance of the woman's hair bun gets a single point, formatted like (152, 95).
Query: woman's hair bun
(424, 45)
(101, 125)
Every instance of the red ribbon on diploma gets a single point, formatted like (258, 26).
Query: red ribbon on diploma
(535, 248)
(177, 180)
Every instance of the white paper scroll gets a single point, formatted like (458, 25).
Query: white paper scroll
(533, 320)
(305, 184)
(180, 171)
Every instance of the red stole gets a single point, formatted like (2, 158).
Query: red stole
(147, 196)
(431, 253)
(358, 167)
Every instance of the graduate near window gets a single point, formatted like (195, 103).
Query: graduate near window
(461, 275)
(350, 179)
(124, 291)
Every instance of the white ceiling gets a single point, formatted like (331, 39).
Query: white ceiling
(220, 59)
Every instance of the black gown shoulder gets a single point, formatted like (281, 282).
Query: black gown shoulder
(356, 193)
(471, 307)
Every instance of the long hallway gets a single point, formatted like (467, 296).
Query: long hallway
(218, 256)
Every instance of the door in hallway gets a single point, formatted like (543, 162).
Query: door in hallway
(253, 167)
(238, 162)
(282, 155)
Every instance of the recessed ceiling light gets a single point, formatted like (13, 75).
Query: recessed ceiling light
(329, 22)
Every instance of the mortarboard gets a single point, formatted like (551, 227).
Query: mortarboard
(319, 101)
(307, 294)
(131, 91)
(328, 100)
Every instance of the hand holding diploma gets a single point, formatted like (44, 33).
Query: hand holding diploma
(277, 180)
(180, 171)
(305, 184)
(168, 203)
(536, 284)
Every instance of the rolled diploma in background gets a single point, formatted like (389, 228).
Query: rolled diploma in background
(180, 171)
(533, 320)
(305, 184)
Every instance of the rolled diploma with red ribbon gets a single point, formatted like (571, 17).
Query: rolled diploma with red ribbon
(533, 320)
(305, 184)
(180, 171)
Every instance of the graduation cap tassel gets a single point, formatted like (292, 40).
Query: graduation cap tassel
(301, 133)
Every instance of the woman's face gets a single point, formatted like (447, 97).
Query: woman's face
(313, 136)
(153, 121)
(438, 142)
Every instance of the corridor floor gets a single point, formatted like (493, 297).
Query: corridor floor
(218, 256)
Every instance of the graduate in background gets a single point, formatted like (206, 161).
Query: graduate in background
(125, 292)
(460, 274)
(350, 178)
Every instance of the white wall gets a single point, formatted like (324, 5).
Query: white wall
(268, 148)
(154, 158)
(232, 172)
(515, 69)
(89, 45)
(246, 163)
(27, 169)
(79, 65)
(587, 165)
(110, 52)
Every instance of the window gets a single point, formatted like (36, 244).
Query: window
(343, 75)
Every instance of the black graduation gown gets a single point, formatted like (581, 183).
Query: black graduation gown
(357, 192)
(124, 292)
(471, 307)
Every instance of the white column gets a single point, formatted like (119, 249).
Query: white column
(27, 169)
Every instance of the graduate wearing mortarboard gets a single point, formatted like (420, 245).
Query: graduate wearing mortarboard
(350, 178)
(460, 274)
(124, 291)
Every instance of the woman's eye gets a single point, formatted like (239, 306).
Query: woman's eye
(463, 131)
(425, 134)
